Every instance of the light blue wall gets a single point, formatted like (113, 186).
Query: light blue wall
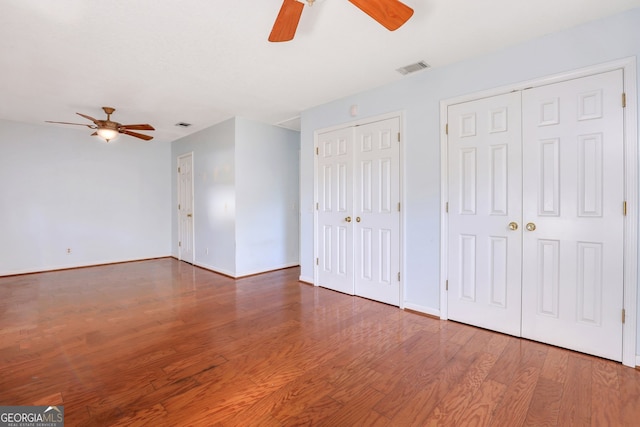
(245, 196)
(214, 169)
(61, 188)
(418, 96)
(267, 175)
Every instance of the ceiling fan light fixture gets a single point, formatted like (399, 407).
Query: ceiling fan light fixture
(107, 134)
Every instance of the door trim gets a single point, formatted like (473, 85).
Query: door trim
(193, 233)
(630, 286)
(400, 116)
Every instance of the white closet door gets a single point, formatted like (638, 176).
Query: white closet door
(485, 210)
(335, 209)
(573, 195)
(377, 211)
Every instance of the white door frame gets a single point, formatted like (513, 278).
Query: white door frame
(193, 234)
(360, 122)
(628, 65)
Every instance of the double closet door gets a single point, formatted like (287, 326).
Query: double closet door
(536, 196)
(358, 210)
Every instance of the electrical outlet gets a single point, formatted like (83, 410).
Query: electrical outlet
(68, 250)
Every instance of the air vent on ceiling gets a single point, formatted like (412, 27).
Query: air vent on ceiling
(183, 124)
(412, 68)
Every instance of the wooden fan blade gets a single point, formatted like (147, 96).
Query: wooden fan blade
(75, 124)
(87, 117)
(391, 14)
(287, 21)
(137, 127)
(137, 135)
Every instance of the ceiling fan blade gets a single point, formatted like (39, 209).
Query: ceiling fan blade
(75, 124)
(137, 127)
(87, 117)
(287, 21)
(391, 14)
(137, 135)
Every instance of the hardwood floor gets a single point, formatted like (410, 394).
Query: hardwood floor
(163, 343)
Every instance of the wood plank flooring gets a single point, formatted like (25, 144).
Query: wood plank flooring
(163, 343)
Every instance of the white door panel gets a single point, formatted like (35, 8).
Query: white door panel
(376, 210)
(574, 187)
(484, 153)
(185, 208)
(335, 208)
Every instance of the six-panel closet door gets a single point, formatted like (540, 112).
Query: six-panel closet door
(485, 213)
(535, 238)
(573, 147)
(358, 221)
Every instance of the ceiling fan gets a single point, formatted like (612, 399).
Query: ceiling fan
(110, 130)
(391, 14)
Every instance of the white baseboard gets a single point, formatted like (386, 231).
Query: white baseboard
(272, 268)
(305, 279)
(422, 309)
(245, 273)
(96, 263)
(215, 269)
(637, 360)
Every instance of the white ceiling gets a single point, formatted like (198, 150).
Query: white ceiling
(204, 61)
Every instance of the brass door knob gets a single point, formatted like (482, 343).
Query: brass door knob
(531, 226)
(348, 219)
(357, 219)
(513, 226)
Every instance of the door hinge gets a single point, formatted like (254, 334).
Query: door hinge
(446, 207)
(317, 206)
(624, 208)
(398, 206)
(178, 169)
(446, 129)
(179, 244)
(398, 136)
(446, 285)
(624, 315)
(317, 261)
(624, 100)
(178, 206)
(398, 276)
(317, 151)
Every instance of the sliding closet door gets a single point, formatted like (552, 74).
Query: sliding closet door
(573, 214)
(485, 211)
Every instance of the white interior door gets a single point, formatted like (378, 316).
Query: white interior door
(358, 218)
(485, 211)
(550, 161)
(377, 211)
(185, 208)
(335, 210)
(573, 184)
